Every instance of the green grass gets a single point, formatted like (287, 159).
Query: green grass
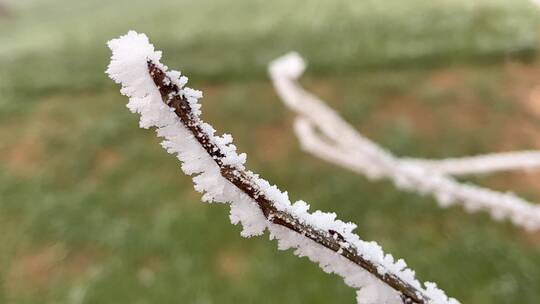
(92, 210)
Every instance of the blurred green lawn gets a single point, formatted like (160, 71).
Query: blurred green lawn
(92, 210)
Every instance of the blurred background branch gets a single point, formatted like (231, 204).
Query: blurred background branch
(323, 133)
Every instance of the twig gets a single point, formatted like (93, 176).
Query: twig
(242, 180)
(163, 103)
(323, 133)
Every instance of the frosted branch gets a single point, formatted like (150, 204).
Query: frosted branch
(323, 133)
(481, 164)
(163, 102)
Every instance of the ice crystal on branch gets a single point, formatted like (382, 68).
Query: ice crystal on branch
(218, 172)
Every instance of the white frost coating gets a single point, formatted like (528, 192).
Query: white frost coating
(479, 164)
(129, 68)
(323, 133)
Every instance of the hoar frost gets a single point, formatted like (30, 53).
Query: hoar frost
(130, 55)
(338, 142)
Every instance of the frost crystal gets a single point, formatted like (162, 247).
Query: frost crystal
(129, 67)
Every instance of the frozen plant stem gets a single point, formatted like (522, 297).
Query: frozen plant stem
(325, 134)
(219, 173)
(241, 179)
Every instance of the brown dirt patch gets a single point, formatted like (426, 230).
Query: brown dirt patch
(107, 158)
(522, 83)
(447, 79)
(23, 148)
(232, 263)
(532, 238)
(105, 161)
(35, 271)
(420, 118)
(444, 98)
(519, 133)
(276, 143)
(24, 157)
(532, 103)
(4, 11)
(212, 90)
(324, 88)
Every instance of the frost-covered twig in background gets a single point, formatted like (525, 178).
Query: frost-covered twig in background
(479, 164)
(161, 99)
(323, 133)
